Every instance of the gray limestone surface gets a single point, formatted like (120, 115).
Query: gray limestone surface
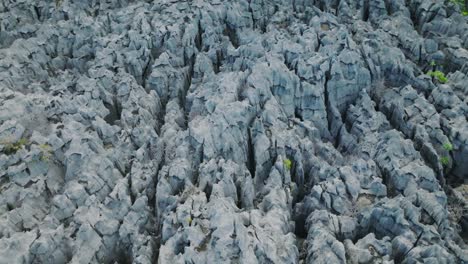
(233, 131)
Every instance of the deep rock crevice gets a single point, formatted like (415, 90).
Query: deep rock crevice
(242, 131)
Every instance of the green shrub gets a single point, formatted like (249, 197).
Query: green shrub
(45, 152)
(461, 3)
(12, 147)
(287, 164)
(445, 160)
(440, 76)
(448, 146)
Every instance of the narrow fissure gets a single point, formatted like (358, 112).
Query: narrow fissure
(199, 38)
(365, 10)
(231, 33)
(251, 154)
(328, 106)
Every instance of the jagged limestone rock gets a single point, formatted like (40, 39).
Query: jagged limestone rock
(233, 131)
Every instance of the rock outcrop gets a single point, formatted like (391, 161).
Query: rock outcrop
(244, 131)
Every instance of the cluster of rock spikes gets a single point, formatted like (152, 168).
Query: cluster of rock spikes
(233, 131)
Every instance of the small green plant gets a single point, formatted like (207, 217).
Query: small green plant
(287, 164)
(462, 5)
(445, 160)
(45, 152)
(13, 147)
(440, 76)
(432, 63)
(448, 146)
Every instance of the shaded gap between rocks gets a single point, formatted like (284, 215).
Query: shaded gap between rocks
(250, 154)
(231, 33)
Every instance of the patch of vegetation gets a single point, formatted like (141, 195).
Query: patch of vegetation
(11, 148)
(288, 164)
(440, 76)
(448, 146)
(445, 160)
(432, 63)
(45, 152)
(463, 6)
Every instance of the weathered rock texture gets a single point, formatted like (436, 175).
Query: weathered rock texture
(246, 131)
